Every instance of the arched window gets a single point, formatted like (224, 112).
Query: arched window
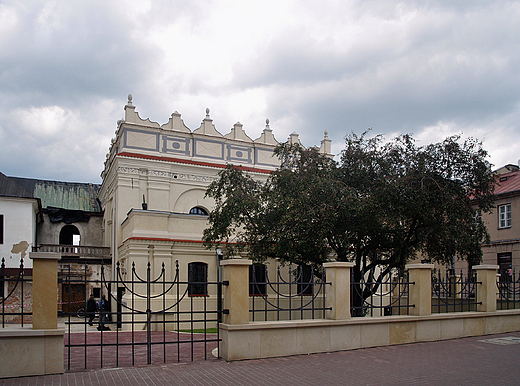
(197, 279)
(69, 235)
(198, 211)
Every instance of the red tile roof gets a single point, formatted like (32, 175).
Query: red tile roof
(507, 183)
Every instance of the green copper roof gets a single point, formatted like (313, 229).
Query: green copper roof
(59, 194)
(68, 195)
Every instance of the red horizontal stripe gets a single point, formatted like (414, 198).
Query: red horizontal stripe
(191, 162)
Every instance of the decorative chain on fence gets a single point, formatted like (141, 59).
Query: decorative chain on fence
(454, 293)
(292, 294)
(508, 291)
(156, 318)
(385, 297)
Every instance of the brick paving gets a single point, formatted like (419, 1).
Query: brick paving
(125, 349)
(485, 360)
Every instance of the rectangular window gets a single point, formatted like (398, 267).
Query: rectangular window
(1, 228)
(504, 216)
(305, 280)
(257, 280)
(504, 261)
(197, 279)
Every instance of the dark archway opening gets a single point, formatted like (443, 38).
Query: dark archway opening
(69, 235)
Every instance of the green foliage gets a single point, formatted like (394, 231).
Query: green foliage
(379, 206)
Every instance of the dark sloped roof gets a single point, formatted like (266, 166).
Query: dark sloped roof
(508, 183)
(11, 187)
(58, 194)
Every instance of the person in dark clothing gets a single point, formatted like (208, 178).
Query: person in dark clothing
(91, 309)
(102, 313)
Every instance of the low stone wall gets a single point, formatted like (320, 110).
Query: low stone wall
(24, 351)
(243, 340)
(276, 339)
(36, 349)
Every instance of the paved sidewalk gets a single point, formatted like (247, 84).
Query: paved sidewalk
(485, 360)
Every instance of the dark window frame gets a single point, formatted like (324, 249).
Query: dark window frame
(505, 265)
(197, 279)
(198, 211)
(258, 287)
(305, 280)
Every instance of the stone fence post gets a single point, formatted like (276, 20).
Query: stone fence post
(420, 293)
(36, 351)
(236, 292)
(487, 287)
(45, 289)
(337, 295)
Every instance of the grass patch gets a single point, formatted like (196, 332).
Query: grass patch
(201, 330)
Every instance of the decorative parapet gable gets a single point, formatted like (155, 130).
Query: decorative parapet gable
(326, 147)
(174, 141)
(294, 139)
(132, 116)
(207, 127)
(176, 124)
(238, 133)
(267, 137)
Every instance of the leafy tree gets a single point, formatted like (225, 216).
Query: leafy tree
(380, 206)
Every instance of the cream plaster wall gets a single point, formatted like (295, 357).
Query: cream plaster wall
(274, 339)
(25, 352)
(19, 226)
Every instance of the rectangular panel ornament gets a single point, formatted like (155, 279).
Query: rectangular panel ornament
(239, 154)
(176, 145)
(266, 157)
(142, 140)
(208, 149)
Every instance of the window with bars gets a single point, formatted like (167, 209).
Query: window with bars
(504, 261)
(197, 279)
(305, 280)
(504, 216)
(257, 280)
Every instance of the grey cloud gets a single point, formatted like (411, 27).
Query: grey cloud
(336, 66)
(448, 67)
(84, 51)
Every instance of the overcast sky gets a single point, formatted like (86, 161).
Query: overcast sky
(430, 68)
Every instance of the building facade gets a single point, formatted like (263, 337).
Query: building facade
(503, 224)
(153, 190)
(54, 216)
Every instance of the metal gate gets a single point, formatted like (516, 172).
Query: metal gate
(147, 319)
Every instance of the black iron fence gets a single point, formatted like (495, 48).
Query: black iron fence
(385, 297)
(453, 292)
(144, 319)
(15, 294)
(288, 294)
(508, 291)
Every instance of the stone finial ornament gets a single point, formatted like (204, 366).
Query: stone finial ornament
(207, 113)
(326, 145)
(130, 99)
